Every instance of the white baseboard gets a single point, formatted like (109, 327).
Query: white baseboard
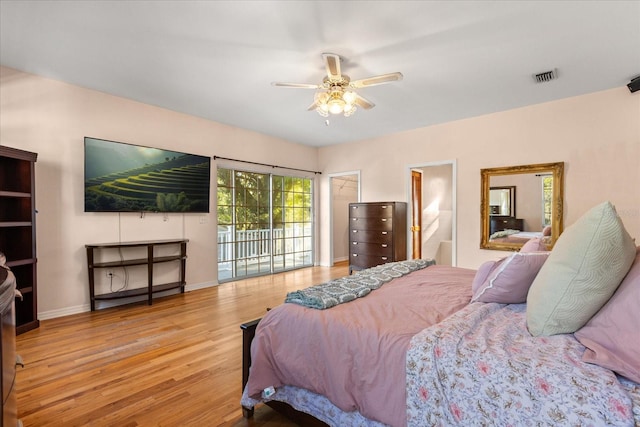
(67, 311)
(196, 286)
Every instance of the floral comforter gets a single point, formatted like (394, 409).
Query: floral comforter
(482, 367)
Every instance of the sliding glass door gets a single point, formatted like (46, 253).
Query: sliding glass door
(265, 223)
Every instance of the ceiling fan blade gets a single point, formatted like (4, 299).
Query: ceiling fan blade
(364, 103)
(376, 80)
(332, 61)
(296, 85)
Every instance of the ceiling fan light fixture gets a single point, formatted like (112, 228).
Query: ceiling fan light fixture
(322, 112)
(336, 101)
(334, 96)
(349, 97)
(350, 110)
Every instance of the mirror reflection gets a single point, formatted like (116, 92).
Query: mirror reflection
(502, 201)
(536, 190)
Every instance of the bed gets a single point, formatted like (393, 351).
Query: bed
(514, 236)
(425, 349)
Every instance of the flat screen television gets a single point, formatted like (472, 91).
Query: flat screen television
(120, 177)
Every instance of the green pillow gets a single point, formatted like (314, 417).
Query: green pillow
(583, 270)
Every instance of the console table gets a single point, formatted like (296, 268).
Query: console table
(149, 261)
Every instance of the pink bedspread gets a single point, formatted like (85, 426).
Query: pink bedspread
(482, 367)
(354, 353)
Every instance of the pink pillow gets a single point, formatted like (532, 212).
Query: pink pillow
(611, 336)
(534, 245)
(508, 281)
(483, 272)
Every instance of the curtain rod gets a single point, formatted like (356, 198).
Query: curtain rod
(264, 164)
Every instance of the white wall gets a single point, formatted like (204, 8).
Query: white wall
(345, 191)
(596, 135)
(51, 118)
(437, 209)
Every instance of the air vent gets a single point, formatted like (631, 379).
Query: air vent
(546, 76)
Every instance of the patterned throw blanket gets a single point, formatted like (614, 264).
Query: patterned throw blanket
(348, 288)
(503, 233)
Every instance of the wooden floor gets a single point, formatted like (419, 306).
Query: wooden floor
(175, 363)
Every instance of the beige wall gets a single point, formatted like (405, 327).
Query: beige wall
(437, 209)
(51, 118)
(596, 135)
(345, 191)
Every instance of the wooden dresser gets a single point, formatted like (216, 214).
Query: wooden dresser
(377, 234)
(499, 223)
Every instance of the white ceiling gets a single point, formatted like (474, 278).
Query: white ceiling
(216, 59)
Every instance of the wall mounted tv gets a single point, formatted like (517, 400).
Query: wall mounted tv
(121, 177)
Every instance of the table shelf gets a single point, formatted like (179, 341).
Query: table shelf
(149, 261)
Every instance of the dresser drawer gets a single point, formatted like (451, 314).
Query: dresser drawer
(367, 210)
(385, 224)
(376, 249)
(371, 236)
(504, 223)
(365, 261)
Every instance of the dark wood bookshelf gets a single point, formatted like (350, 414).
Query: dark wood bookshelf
(18, 230)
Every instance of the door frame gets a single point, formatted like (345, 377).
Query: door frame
(415, 246)
(454, 204)
(331, 176)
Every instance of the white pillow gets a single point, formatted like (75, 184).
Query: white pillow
(583, 270)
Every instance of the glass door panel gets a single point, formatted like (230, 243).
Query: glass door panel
(264, 223)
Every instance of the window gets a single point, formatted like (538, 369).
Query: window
(547, 199)
(265, 223)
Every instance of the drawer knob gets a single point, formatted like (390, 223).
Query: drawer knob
(354, 255)
(354, 243)
(383, 219)
(384, 258)
(384, 206)
(384, 245)
(355, 231)
(384, 232)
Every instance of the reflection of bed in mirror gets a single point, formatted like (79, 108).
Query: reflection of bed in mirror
(501, 223)
(515, 237)
(510, 230)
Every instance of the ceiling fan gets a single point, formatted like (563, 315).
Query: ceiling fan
(335, 94)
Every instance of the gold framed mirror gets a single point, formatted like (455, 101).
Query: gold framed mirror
(540, 201)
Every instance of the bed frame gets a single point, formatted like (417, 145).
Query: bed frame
(248, 333)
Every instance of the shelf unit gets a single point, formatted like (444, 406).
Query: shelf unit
(149, 261)
(18, 230)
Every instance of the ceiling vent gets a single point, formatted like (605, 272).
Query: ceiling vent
(546, 76)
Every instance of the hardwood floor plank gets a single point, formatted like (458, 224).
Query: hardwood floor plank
(175, 363)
